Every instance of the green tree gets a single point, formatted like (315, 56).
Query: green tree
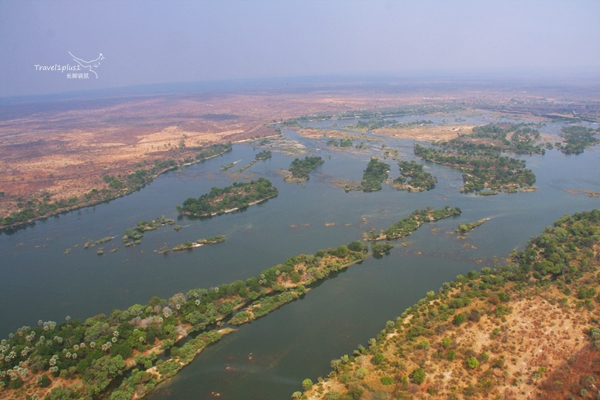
(418, 376)
(472, 362)
(307, 384)
(459, 319)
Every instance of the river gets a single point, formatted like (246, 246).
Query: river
(268, 358)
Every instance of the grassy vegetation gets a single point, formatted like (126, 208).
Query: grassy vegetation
(301, 168)
(375, 173)
(491, 334)
(230, 198)
(419, 179)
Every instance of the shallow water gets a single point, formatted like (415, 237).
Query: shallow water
(38, 281)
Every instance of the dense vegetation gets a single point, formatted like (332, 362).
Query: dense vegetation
(115, 186)
(375, 173)
(419, 179)
(101, 348)
(213, 150)
(578, 138)
(481, 168)
(389, 123)
(342, 143)
(552, 279)
(376, 114)
(237, 196)
(505, 137)
(301, 168)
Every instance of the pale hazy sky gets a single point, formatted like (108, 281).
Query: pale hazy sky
(147, 42)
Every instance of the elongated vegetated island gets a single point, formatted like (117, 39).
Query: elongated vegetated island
(228, 199)
(408, 225)
(530, 327)
(376, 172)
(81, 359)
(466, 228)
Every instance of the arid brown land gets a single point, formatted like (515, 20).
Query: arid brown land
(63, 149)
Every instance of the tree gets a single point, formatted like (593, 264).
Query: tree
(342, 251)
(307, 384)
(472, 362)
(459, 319)
(418, 376)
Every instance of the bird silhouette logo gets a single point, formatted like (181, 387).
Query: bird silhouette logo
(90, 65)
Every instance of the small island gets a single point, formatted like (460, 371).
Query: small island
(228, 199)
(375, 173)
(407, 225)
(301, 168)
(481, 168)
(419, 179)
(262, 156)
(133, 236)
(465, 228)
(200, 242)
(578, 138)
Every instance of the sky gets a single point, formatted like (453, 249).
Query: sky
(150, 42)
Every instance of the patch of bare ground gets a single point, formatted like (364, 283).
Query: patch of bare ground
(428, 133)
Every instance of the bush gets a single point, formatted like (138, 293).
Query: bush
(472, 362)
(459, 319)
(418, 376)
(451, 355)
(333, 396)
(307, 384)
(16, 384)
(44, 381)
(386, 380)
(378, 358)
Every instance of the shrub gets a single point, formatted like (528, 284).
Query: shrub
(418, 376)
(472, 362)
(378, 358)
(44, 381)
(307, 384)
(386, 380)
(459, 319)
(451, 355)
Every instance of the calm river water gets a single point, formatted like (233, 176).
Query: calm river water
(268, 358)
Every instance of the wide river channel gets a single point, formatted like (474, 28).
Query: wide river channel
(269, 358)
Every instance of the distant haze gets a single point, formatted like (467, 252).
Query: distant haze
(148, 42)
